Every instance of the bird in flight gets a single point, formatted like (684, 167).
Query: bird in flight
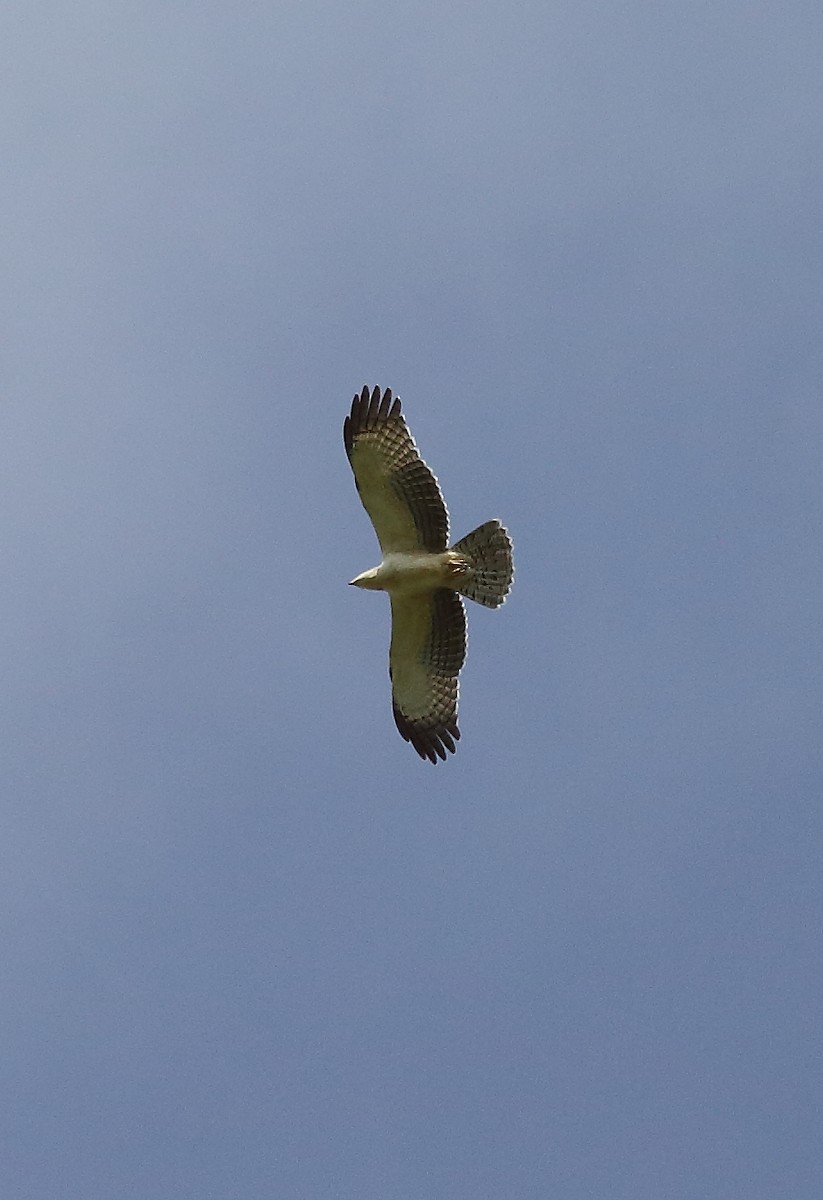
(423, 575)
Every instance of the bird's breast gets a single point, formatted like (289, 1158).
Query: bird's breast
(409, 574)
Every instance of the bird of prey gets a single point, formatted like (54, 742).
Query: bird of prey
(424, 577)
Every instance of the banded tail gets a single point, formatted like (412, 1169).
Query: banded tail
(488, 551)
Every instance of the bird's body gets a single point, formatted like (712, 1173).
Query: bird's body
(413, 574)
(421, 573)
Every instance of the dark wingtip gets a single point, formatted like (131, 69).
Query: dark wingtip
(354, 421)
(369, 408)
(431, 744)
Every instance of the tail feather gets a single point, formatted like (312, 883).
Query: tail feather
(488, 551)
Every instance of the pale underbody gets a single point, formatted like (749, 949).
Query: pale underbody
(414, 574)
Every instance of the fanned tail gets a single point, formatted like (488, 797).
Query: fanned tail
(488, 551)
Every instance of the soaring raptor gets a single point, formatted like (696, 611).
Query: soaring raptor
(422, 574)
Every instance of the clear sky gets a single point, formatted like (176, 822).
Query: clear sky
(252, 946)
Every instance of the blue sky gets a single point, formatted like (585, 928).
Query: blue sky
(251, 945)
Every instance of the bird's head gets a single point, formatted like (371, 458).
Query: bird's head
(368, 579)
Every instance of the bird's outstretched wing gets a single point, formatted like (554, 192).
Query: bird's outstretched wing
(398, 490)
(428, 648)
